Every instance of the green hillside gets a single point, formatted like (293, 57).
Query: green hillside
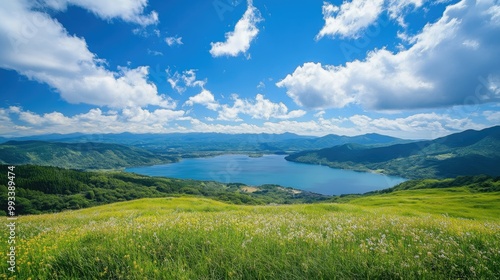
(78, 155)
(196, 238)
(466, 153)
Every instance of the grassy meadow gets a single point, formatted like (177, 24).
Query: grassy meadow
(415, 234)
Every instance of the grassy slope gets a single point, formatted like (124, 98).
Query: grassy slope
(457, 202)
(400, 235)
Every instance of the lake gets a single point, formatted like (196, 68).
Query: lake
(272, 169)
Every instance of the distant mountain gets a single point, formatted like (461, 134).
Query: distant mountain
(330, 140)
(77, 155)
(467, 153)
(196, 142)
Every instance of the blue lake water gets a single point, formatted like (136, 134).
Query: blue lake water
(272, 169)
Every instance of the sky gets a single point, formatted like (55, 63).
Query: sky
(414, 69)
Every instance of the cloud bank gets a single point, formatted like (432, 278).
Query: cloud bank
(15, 121)
(451, 62)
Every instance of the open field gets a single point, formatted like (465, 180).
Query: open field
(417, 234)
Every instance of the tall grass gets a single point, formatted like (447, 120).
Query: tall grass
(192, 238)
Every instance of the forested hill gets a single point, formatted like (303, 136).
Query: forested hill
(467, 153)
(78, 155)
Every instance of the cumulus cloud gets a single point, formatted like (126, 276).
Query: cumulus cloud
(350, 18)
(314, 86)
(172, 41)
(127, 10)
(205, 98)
(442, 68)
(39, 47)
(261, 108)
(239, 40)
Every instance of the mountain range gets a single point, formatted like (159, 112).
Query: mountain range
(183, 143)
(466, 153)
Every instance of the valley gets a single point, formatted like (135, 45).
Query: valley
(81, 216)
(250, 140)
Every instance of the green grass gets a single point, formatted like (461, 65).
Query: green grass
(460, 202)
(416, 234)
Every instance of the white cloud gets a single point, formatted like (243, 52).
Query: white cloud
(492, 116)
(261, 108)
(205, 98)
(155, 53)
(127, 10)
(186, 78)
(320, 114)
(238, 41)
(350, 18)
(132, 119)
(38, 47)
(14, 109)
(171, 41)
(419, 126)
(144, 116)
(423, 125)
(397, 9)
(437, 70)
(315, 86)
(17, 122)
(8, 127)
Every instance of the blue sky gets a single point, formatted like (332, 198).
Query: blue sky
(410, 68)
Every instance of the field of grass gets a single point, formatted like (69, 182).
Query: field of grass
(417, 234)
(459, 202)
